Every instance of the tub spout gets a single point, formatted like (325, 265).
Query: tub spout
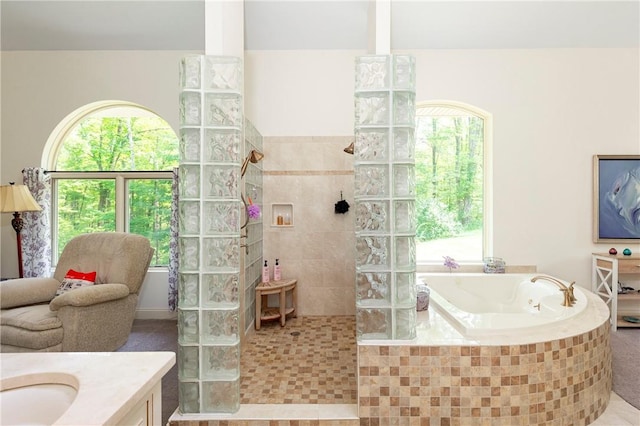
(568, 291)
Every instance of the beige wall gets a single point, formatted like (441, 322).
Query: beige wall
(319, 249)
(553, 109)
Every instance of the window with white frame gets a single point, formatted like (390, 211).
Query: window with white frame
(110, 170)
(452, 183)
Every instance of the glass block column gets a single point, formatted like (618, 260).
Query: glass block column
(384, 170)
(211, 127)
(254, 234)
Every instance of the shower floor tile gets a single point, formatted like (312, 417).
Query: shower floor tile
(311, 360)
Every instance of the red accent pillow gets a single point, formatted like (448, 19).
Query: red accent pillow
(74, 279)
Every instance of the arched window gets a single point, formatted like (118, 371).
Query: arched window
(110, 165)
(453, 142)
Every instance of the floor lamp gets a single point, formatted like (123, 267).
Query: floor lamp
(16, 199)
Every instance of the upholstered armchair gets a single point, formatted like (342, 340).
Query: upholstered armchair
(94, 317)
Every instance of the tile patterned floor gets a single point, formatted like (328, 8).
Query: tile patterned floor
(312, 360)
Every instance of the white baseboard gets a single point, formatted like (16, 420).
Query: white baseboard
(160, 314)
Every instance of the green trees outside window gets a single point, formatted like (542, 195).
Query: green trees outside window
(449, 186)
(111, 175)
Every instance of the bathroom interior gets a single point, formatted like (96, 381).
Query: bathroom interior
(547, 100)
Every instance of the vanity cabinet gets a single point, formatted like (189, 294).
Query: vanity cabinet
(147, 412)
(606, 272)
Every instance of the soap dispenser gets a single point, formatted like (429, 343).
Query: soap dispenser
(276, 272)
(265, 273)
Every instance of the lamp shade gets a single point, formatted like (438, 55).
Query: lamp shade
(17, 198)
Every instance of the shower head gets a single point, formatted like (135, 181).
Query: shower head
(254, 156)
(349, 149)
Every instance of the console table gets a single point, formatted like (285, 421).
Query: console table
(606, 272)
(264, 312)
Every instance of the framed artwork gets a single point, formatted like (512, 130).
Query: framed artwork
(616, 198)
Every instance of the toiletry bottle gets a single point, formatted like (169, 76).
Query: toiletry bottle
(287, 219)
(265, 273)
(276, 272)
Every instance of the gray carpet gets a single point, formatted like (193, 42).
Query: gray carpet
(162, 335)
(625, 346)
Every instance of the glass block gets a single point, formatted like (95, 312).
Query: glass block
(404, 75)
(190, 72)
(404, 108)
(222, 110)
(373, 288)
(405, 252)
(223, 73)
(222, 145)
(221, 396)
(372, 323)
(220, 253)
(371, 145)
(405, 216)
(254, 192)
(372, 216)
(187, 327)
(220, 290)
(189, 397)
(404, 180)
(189, 213)
(190, 109)
(221, 362)
(189, 253)
(221, 181)
(405, 288)
(188, 362)
(404, 146)
(221, 217)
(372, 109)
(405, 323)
(372, 251)
(372, 72)
(371, 181)
(189, 145)
(189, 182)
(188, 290)
(220, 326)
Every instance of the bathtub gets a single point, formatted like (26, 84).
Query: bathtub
(485, 354)
(494, 304)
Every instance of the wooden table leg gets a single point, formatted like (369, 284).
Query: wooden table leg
(294, 300)
(283, 309)
(258, 309)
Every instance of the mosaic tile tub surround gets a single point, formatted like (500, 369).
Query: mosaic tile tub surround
(562, 381)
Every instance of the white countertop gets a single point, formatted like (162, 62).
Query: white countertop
(109, 384)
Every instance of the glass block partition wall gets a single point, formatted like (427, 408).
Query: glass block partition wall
(384, 169)
(253, 231)
(211, 127)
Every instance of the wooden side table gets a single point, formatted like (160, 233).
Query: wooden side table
(264, 312)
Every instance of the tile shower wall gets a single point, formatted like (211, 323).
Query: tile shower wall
(318, 250)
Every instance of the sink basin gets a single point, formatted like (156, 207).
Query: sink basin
(38, 399)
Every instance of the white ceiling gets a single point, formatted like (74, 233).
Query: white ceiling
(327, 24)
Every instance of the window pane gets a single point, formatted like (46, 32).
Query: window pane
(119, 144)
(449, 187)
(150, 214)
(84, 206)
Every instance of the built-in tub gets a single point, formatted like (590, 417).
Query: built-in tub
(554, 370)
(491, 304)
